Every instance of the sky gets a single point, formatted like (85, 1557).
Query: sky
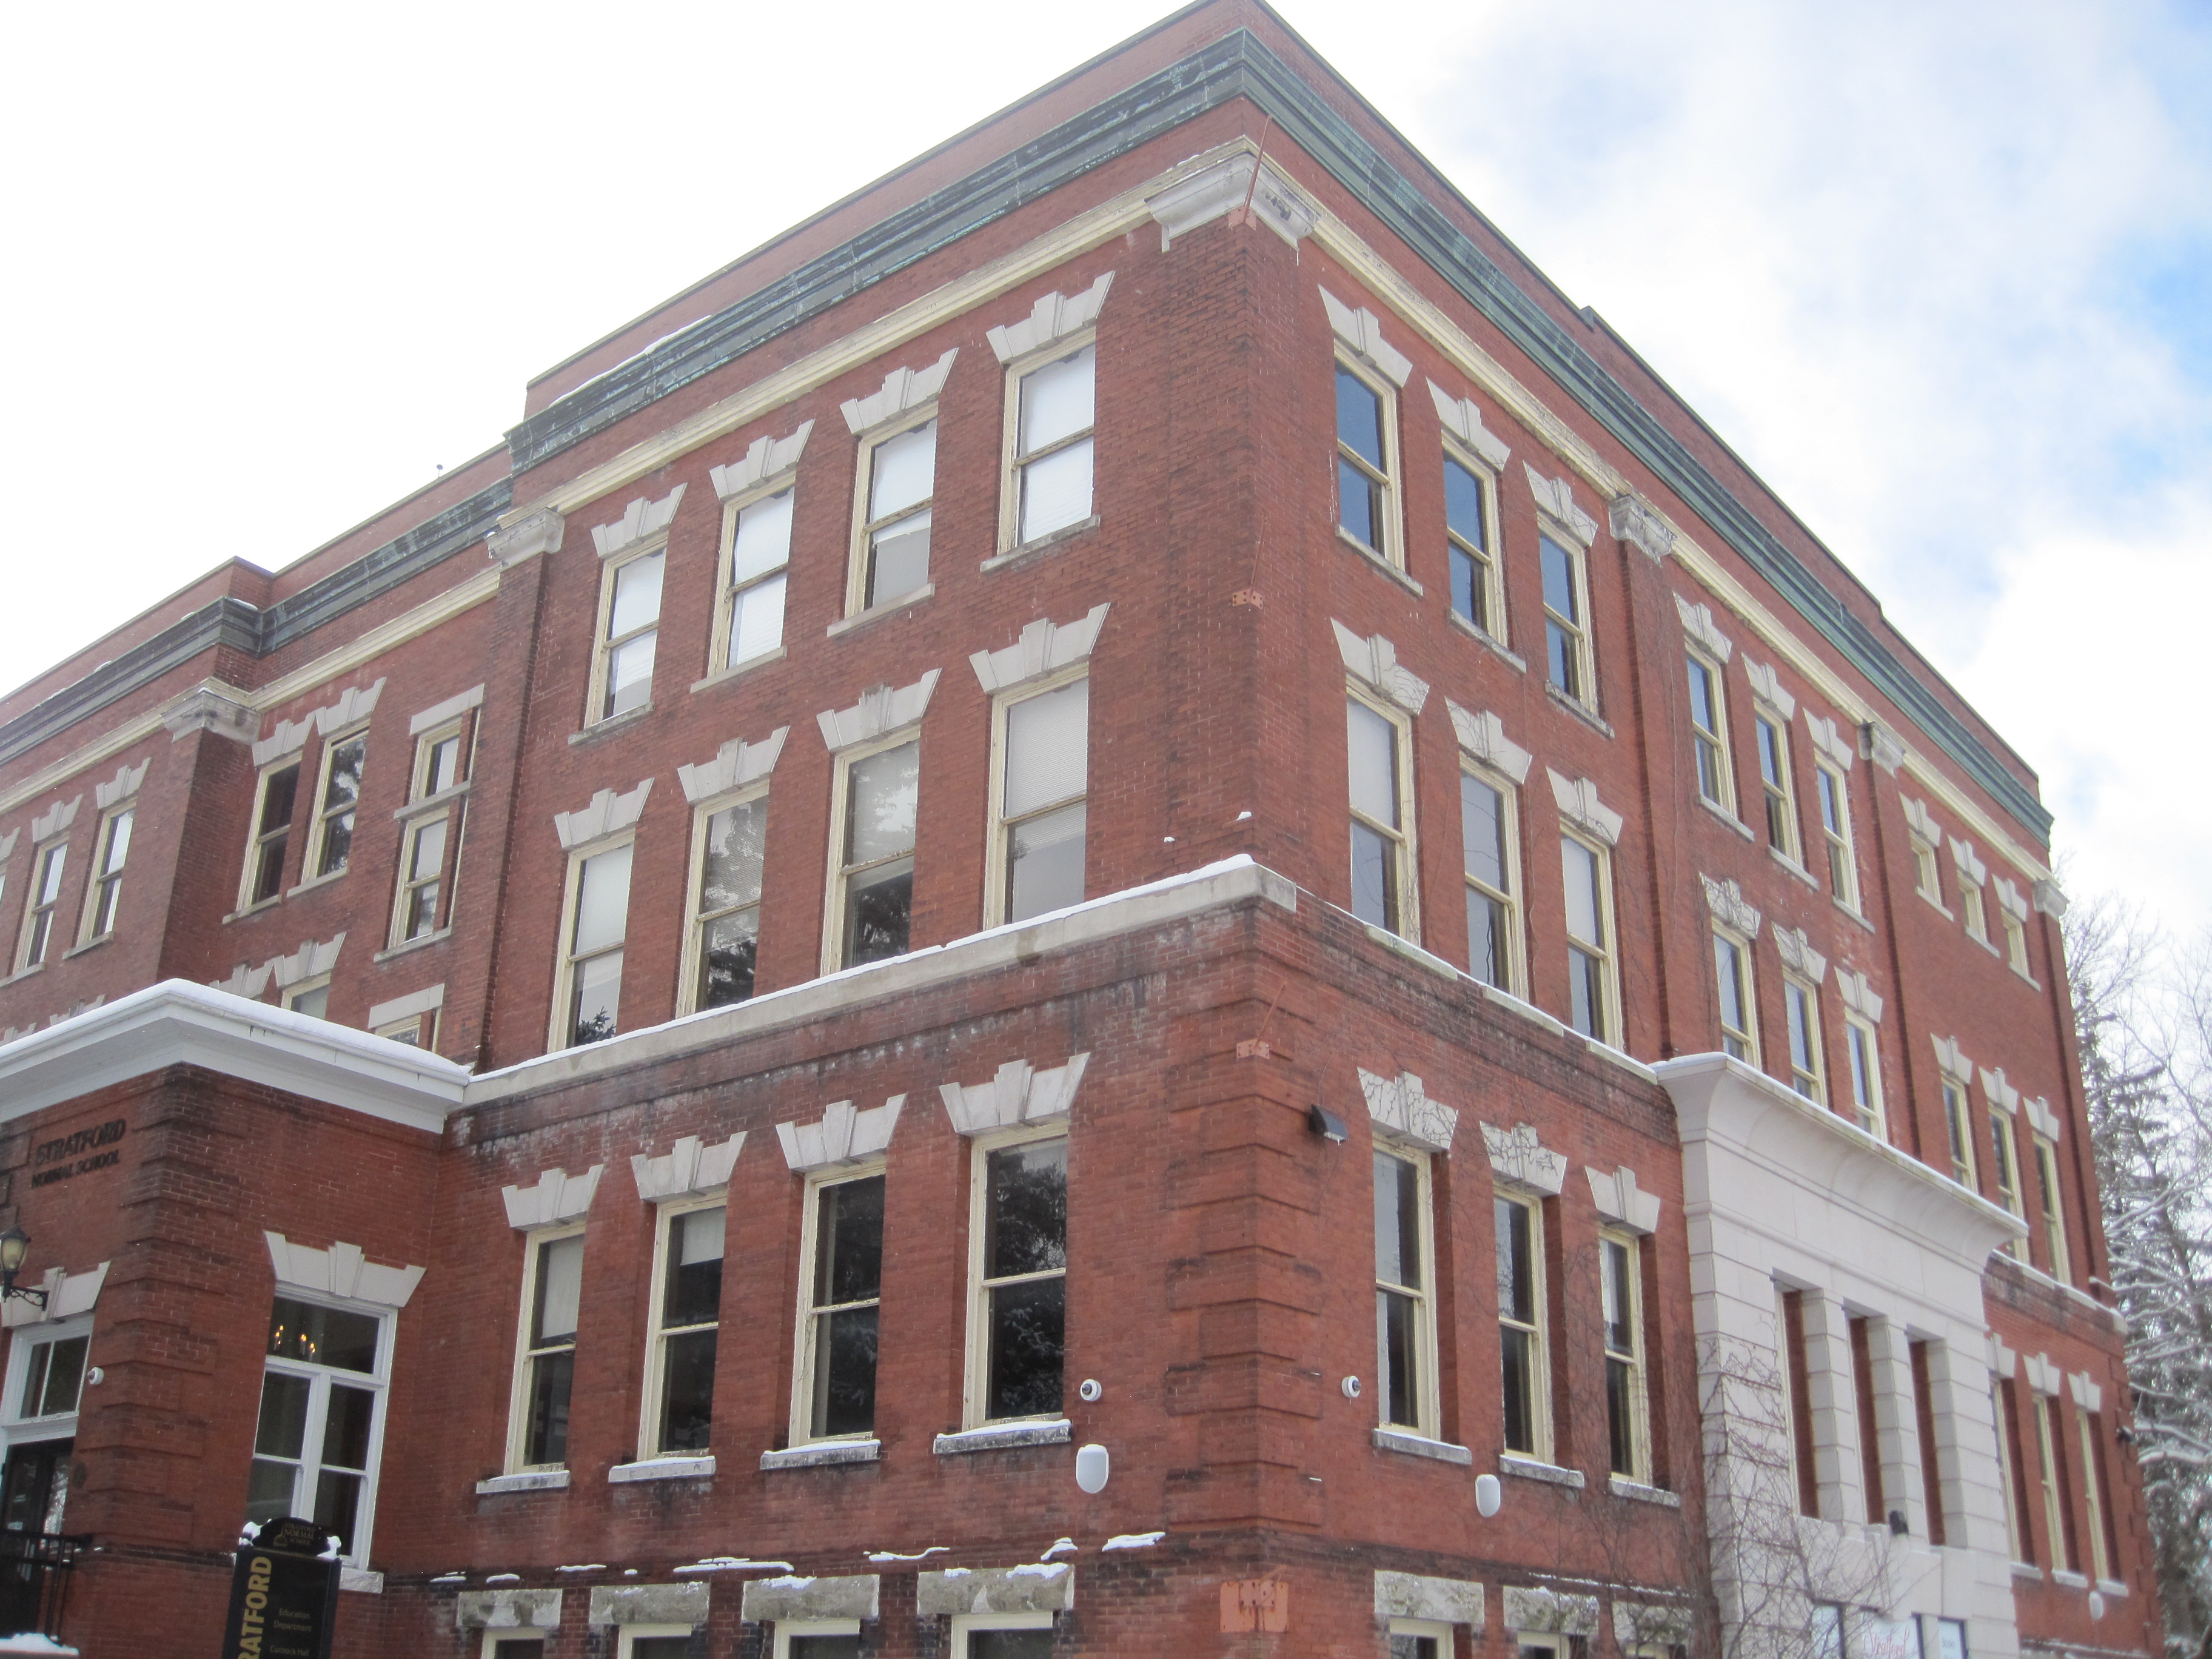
(1939, 274)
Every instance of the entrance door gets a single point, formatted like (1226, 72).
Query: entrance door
(33, 1490)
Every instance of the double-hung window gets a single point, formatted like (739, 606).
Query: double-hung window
(1709, 734)
(2014, 920)
(1477, 591)
(1627, 1409)
(841, 1277)
(545, 1359)
(629, 632)
(1018, 1274)
(685, 1320)
(756, 563)
(1775, 783)
(1836, 831)
(2004, 1170)
(1593, 998)
(1526, 1385)
(310, 997)
(729, 840)
(274, 797)
(1567, 656)
(871, 863)
(2057, 1519)
(1738, 1002)
(898, 472)
(2096, 1496)
(111, 849)
(1379, 750)
(430, 838)
(317, 1443)
(1808, 1064)
(1037, 839)
(337, 795)
(1490, 841)
(1051, 408)
(587, 997)
(1405, 1299)
(2054, 1210)
(1862, 1048)
(2004, 1402)
(1972, 909)
(45, 1378)
(1367, 461)
(43, 906)
(1959, 1131)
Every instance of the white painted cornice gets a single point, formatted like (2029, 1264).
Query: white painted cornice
(736, 764)
(1361, 331)
(1375, 660)
(1463, 420)
(1400, 1105)
(1482, 735)
(1054, 317)
(765, 458)
(903, 389)
(1045, 647)
(642, 520)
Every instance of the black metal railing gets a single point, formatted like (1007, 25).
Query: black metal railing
(34, 1569)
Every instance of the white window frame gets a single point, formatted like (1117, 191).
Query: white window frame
(729, 590)
(561, 1030)
(1581, 652)
(1811, 1078)
(2012, 1191)
(1778, 793)
(322, 816)
(2049, 1441)
(628, 1636)
(2015, 945)
(102, 875)
(2093, 1500)
(656, 1338)
(1723, 797)
(1605, 951)
(2053, 1196)
(1012, 463)
(1389, 489)
(1863, 1037)
(841, 790)
(1514, 979)
(997, 872)
(2010, 1479)
(1400, 840)
(696, 919)
(256, 839)
(1489, 562)
(1973, 910)
(1832, 786)
(788, 1630)
(1428, 1401)
(417, 1031)
(426, 805)
(34, 908)
(1635, 1357)
(1733, 1039)
(1958, 1110)
(975, 1388)
(1539, 1332)
(1441, 1634)
(864, 527)
(16, 1429)
(604, 646)
(534, 1242)
(293, 995)
(493, 1636)
(965, 1623)
(804, 1348)
(1928, 870)
(319, 1378)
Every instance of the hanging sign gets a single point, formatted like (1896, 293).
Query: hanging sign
(283, 1594)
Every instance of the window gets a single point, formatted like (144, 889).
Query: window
(1709, 735)
(1924, 1417)
(872, 888)
(1478, 593)
(1971, 909)
(1796, 1381)
(2093, 1493)
(1490, 841)
(1739, 1010)
(51, 1372)
(429, 842)
(685, 1322)
(1002, 1636)
(2005, 1398)
(1861, 1332)
(1592, 1009)
(410, 1031)
(1405, 1311)
(756, 560)
(272, 833)
(46, 903)
(1627, 1415)
(545, 1367)
(1377, 746)
(329, 846)
(1928, 872)
(1774, 781)
(310, 998)
(1955, 1127)
(2057, 1523)
(1367, 462)
(2054, 1210)
(818, 1638)
(2015, 933)
(111, 849)
(2004, 1169)
(1052, 407)
(1863, 1048)
(891, 560)
(587, 1001)
(841, 1277)
(729, 843)
(1836, 831)
(1416, 1638)
(630, 634)
(321, 1427)
(1809, 1065)
(1038, 840)
(653, 1642)
(1566, 631)
(1018, 1321)
(1527, 1388)
(498, 1645)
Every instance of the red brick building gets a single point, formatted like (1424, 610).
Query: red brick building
(1130, 793)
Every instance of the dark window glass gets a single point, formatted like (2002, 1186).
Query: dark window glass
(848, 1258)
(322, 1336)
(1025, 1257)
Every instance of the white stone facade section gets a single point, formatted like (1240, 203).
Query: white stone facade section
(1579, 804)
(1882, 746)
(2088, 1393)
(2050, 899)
(2041, 1375)
(55, 819)
(506, 1609)
(689, 1168)
(1400, 1105)
(311, 961)
(343, 1270)
(212, 706)
(2000, 1092)
(1729, 907)
(248, 980)
(1482, 735)
(8, 844)
(1374, 662)
(120, 787)
(439, 712)
(1045, 647)
(1950, 1060)
(765, 458)
(1361, 331)
(843, 1136)
(1054, 317)
(2011, 900)
(1859, 995)
(1829, 742)
(1798, 955)
(2043, 1120)
(1231, 186)
(1047, 1587)
(736, 764)
(1972, 870)
(1018, 1093)
(1621, 1202)
(1437, 1600)
(1519, 1159)
(1635, 522)
(605, 814)
(1698, 623)
(1547, 1612)
(68, 1294)
(1922, 821)
(526, 537)
(881, 708)
(1555, 499)
(355, 704)
(555, 1198)
(1767, 690)
(903, 389)
(642, 520)
(1464, 422)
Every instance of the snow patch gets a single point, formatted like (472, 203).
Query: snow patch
(893, 1555)
(1061, 1546)
(1132, 1540)
(451, 1579)
(1039, 1569)
(588, 1566)
(504, 1578)
(737, 1564)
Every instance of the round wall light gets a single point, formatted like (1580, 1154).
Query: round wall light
(1092, 1468)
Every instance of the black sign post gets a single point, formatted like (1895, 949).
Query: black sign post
(283, 1595)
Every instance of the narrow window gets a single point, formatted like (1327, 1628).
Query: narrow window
(552, 1290)
(2004, 1169)
(2054, 1210)
(1927, 872)
(272, 833)
(1567, 652)
(845, 1287)
(331, 847)
(1381, 864)
(1055, 405)
(1589, 940)
(1002, 1636)
(2057, 1511)
(757, 534)
(2005, 1395)
(422, 871)
(1924, 1415)
(590, 1009)
(1796, 1380)
(315, 1448)
(1490, 842)
(1709, 734)
(687, 1306)
(1739, 1018)
(2016, 933)
(630, 634)
(1405, 1318)
(1971, 910)
(1809, 1063)
(875, 869)
(1862, 1047)
(1861, 1335)
(45, 901)
(1956, 1127)
(725, 903)
(1019, 1343)
(901, 471)
(1046, 756)
(1526, 1381)
(111, 849)
(312, 999)
(1626, 1413)
(2093, 1495)
(1366, 458)
(1477, 595)
(1836, 831)
(496, 1646)
(1412, 1639)
(53, 1379)
(440, 761)
(1775, 783)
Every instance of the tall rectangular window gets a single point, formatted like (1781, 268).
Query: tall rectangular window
(1018, 1320)
(2054, 1210)
(430, 840)
(1478, 592)
(2004, 1170)
(1739, 1009)
(1808, 1060)
(891, 558)
(1490, 841)
(1627, 1413)
(843, 1274)
(1593, 1008)
(1836, 831)
(1050, 442)
(728, 847)
(1775, 784)
(2092, 1494)
(1566, 627)
(871, 891)
(46, 898)
(685, 1320)
(1526, 1380)
(587, 1002)
(2058, 1516)
(1862, 1048)
(545, 1367)
(1862, 1336)
(1924, 1417)
(1957, 1128)
(1927, 872)
(1798, 1390)
(630, 634)
(111, 850)
(1971, 909)
(2005, 1397)
(2015, 933)
(1405, 1311)
(1376, 747)
(329, 846)
(317, 1443)
(1709, 734)
(1367, 462)
(273, 801)
(756, 560)
(1038, 839)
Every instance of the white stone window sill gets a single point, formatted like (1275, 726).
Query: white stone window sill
(1985, 944)
(89, 945)
(1794, 868)
(528, 1480)
(612, 723)
(1528, 1469)
(661, 1468)
(1727, 818)
(1041, 545)
(1378, 562)
(1497, 646)
(1420, 1445)
(2027, 1570)
(2018, 973)
(429, 804)
(24, 973)
(1399, 945)
(1936, 904)
(2110, 1587)
(314, 882)
(759, 660)
(888, 607)
(1859, 916)
(428, 939)
(828, 1453)
(353, 1578)
(2072, 1580)
(1581, 711)
(268, 903)
(1637, 1492)
(1005, 1436)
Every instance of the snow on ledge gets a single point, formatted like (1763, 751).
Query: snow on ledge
(1132, 1540)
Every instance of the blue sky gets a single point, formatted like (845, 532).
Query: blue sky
(1937, 272)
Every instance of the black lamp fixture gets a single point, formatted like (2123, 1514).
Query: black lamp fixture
(15, 1245)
